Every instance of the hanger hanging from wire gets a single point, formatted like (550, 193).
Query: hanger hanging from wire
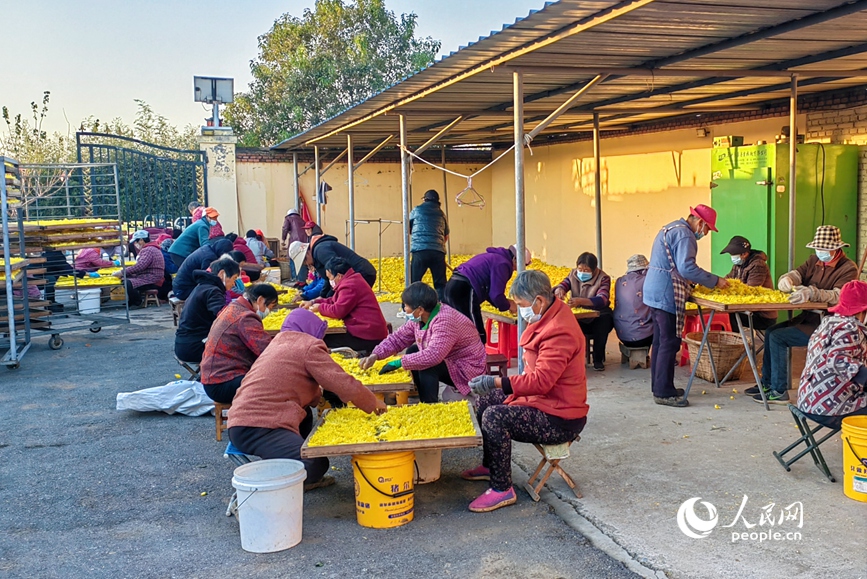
(470, 197)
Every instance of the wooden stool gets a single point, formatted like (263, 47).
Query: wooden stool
(221, 414)
(177, 308)
(588, 349)
(190, 367)
(635, 357)
(551, 456)
(496, 365)
(152, 297)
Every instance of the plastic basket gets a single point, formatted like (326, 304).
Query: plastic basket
(726, 347)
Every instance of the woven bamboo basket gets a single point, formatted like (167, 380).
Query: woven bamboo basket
(726, 347)
(285, 269)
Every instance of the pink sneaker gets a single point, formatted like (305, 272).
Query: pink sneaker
(492, 500)
(478, 473)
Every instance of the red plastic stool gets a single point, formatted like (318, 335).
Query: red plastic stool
(721, 323)
(507, 340)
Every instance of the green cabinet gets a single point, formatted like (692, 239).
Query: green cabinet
(750, 192)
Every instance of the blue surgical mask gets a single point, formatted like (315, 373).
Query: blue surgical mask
(699, 234)
(824, 256)
(583, 276)
(737, 260)
(263, 314)
(409, 317)
(528, 314)
(212, 222)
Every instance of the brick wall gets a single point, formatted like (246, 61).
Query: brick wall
(845, 125)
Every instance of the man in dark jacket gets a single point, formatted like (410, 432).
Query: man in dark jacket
(750, 266)
(429, 231)
(202, 307)
(484, 278)
(319, 252)
(293, 228)
(185, 281)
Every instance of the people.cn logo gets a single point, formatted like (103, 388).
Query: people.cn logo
(691, 524)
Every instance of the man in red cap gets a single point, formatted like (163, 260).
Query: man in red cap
(666, 289)
(833, 383)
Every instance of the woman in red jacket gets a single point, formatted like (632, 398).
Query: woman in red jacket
(354, 303)
(547, 404)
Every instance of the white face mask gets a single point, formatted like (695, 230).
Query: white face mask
(263, 314)
(528, 314)
(333, 283)
(737, 259)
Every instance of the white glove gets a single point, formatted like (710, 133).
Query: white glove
(788, 281)
(801, 295)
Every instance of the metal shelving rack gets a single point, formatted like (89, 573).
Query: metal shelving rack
(16, 336)
(88, 194)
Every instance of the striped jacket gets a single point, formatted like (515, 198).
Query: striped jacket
(836, 355)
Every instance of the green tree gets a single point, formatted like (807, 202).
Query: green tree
(311, 68)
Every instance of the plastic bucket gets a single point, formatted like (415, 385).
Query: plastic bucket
(854, 434)
(384, 490)
(428, 465)
(88, 301)
(270, 504)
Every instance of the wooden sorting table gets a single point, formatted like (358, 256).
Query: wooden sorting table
(503, 319)
(748, 335)
(394, 446)
(340, 330)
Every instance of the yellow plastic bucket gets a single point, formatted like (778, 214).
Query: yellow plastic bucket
(854, 435)
(384, 490)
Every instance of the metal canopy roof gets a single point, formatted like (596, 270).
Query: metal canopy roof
(664, 58)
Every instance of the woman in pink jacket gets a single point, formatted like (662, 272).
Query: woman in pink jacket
(442, 346)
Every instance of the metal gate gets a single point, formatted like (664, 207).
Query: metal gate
(156, 183)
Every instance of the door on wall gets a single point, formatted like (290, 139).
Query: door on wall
(155, 183)
(742, 201)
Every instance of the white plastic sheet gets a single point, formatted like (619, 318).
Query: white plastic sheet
(181, 396)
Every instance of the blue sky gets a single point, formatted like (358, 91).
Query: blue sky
(96, 56)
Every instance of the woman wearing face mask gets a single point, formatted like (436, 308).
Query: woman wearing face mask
(750, 266)
(547, 404)
(236, 339)
(819, 279)
(590, 288)
(194, 236)
(148, 272)
(354, 303)
(442, 346)
(202, 307)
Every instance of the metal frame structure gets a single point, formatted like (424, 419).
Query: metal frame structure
(16, 339)
(642, 61)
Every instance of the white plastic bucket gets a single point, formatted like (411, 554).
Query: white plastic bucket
(270, 504)
(428, 464)
(88, 301)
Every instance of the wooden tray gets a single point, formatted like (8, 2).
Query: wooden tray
(719, 307)
(50, 225)
(327, 332)
(514, 321)
(402, 445)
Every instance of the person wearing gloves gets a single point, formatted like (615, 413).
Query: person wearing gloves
(832, 386)
(429, 232)
(632, 321)
(750, 266)
(293, 228)
(271, 412)
(547, 404)
(442, 346)
(149, 271)
(590, 287)
(185, 280)
(235, 341)
(202, 307)
(194, 236)
(818, 280)
(320, 250)
(484, 278)
(90, 260)
(354, 303)
(666, 289)
(259, 248)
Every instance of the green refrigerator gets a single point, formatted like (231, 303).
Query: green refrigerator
(750, 192)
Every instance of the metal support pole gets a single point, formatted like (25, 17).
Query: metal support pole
(297, 185)
(404, 188)
(518, 101)
(216, 114)
(598, 186)
(350, 165)
(318, 184)
(793, 154)
(446, 201)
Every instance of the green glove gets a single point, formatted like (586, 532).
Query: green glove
(390, 367)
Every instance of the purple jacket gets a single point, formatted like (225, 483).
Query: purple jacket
(489, 273)
(449, 336)
(631, 315)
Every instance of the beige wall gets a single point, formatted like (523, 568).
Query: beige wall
(222, 177)
(265, 192)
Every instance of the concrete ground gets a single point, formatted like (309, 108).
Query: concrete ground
(90, 491)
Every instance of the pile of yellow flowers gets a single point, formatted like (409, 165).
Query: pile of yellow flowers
(372, 375)
(274, 320)
(70, 222)
(411, 422)
(740, 293)
(12, 261)
(287, 298)
(67, 281)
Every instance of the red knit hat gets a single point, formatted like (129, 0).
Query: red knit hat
(853, 299)
(706, 214)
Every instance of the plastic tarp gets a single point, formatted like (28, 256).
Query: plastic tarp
(182, 396)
